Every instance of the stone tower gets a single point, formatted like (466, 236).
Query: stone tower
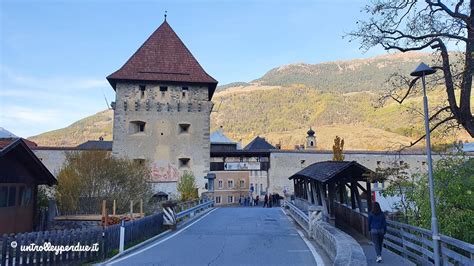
(162, 110)
(311, 139)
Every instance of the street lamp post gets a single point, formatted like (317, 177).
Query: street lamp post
(421, 71)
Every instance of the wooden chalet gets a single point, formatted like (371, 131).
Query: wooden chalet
(20, 174)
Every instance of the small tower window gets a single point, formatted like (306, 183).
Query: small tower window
(311, 143)
(184, 162)
(137, 127)
(163, 90)
(142, 91)
(139, 161)
(184, 128)
(184, 91)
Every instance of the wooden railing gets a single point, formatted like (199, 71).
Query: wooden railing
(412, 242)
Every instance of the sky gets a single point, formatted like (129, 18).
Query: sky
(55, 55)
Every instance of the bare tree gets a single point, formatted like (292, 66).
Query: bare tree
(413, 25)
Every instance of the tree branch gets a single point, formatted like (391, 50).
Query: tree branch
(446, 9)
(431, 130)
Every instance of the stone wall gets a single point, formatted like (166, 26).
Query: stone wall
(341, 248)
(283, 164)
(164, 142)
(52, 158)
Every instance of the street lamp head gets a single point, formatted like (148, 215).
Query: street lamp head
(423, 69)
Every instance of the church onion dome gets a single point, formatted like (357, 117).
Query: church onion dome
(310, 132)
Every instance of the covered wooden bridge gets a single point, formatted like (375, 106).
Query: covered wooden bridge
(341, 188)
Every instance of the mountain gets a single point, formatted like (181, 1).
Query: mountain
(89, 128)
(344, 76)
(334, 98)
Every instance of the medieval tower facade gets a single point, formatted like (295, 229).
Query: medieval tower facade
(162, 110)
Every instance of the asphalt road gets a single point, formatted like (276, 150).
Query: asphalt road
(229, 236)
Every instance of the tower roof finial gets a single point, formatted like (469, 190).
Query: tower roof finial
(166, 14)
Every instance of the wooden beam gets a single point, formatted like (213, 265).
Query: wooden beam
(369, 196)
(342, 191)
(322, 193)
(331, 197)
(314, 193)
(361, 187)
(318, 192)
(357, 196)
(352, 188)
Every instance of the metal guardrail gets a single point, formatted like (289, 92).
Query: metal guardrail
(299, 216)
(193, 210)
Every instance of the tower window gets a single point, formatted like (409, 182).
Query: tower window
(163, 90)
(311, 143)
(139, 161)
(184, 128)
(137, 127)
(142, 91)
(185, 90)
(184, 162)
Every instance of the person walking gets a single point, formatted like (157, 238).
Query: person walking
(265, 201)
(256, 200)
(377, 228)
(270, 199)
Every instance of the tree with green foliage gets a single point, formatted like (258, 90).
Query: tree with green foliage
(454, 187)
(187, 187)
(96, 175)
(337, 149)
(400, 184)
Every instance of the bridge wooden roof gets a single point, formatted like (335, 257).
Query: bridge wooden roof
(333, 171)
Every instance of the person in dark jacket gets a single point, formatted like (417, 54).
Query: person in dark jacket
(265, 201)
(377, 228)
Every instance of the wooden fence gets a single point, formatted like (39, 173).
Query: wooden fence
(105, 240)
(411, 242)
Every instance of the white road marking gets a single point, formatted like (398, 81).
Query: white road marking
(161, 241)
(316, 256)
(299, 250)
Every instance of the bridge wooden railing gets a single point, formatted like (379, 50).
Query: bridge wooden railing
(412, 242)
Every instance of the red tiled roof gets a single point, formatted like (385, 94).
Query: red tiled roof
(163, 57)
(6, 141)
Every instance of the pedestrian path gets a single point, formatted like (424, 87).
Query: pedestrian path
(388, 257)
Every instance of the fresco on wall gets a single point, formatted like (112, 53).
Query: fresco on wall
(163, 171)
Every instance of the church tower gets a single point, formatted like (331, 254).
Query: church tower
(162, 110)
(311, 139)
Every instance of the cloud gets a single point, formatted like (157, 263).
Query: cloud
(47, 83)
(31, 105)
